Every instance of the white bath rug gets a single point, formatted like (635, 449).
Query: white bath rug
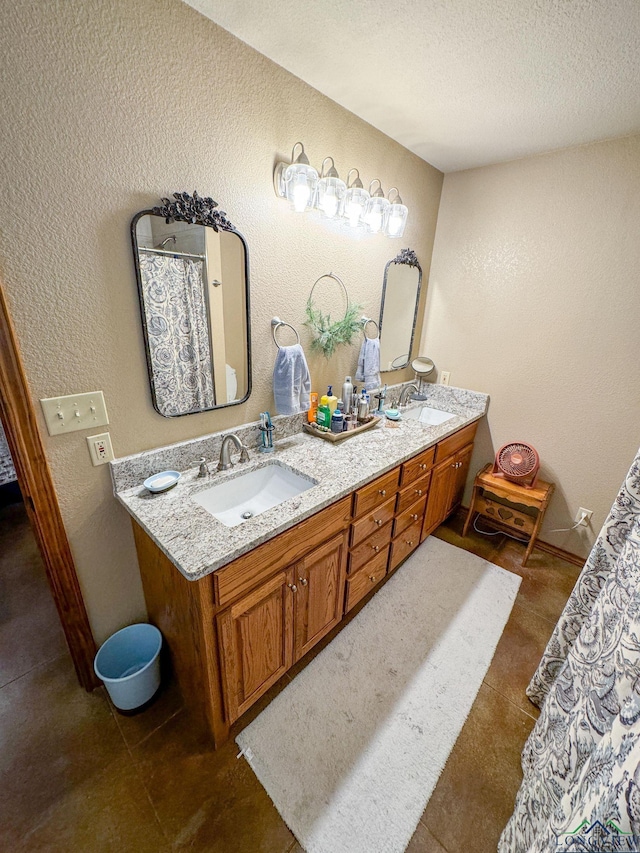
(351, 750)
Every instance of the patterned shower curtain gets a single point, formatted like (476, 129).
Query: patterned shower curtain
(581, 763)
(176, 315)
(7, 471)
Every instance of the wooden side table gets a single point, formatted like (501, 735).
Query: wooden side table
(509, 517)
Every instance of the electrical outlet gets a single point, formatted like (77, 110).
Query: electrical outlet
(587, 513)
(100, 448)
(445, 376)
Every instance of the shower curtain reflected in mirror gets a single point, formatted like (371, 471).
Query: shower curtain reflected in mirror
(177, 323)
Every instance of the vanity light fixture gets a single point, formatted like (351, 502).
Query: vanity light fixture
(355, 201)
(331, 191)
(297, 182)
(396, 216)
(358, 208)
(376, 209)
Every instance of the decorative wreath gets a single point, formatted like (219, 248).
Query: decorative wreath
(327, 334)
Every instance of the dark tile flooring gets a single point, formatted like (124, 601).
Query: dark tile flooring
(77, 776)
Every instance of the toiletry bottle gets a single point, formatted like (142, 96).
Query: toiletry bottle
(332, 400)
(323, 413)
(347, 393)
(311, 414)
(363, 408)
(337, 421)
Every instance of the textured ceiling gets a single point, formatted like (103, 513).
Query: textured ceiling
(462, 83)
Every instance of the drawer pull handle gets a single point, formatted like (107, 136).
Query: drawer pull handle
(382, 492)
(414, 516)
(303, 581)
(378, 521)
(419, 492)
(372, 578)
(292, 587)
(376, 548)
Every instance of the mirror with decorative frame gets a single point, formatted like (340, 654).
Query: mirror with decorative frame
(399, 309)
(192, 270)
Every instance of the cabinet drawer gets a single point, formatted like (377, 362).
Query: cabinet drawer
(257, 565)
(404, 544)
(414, 513)
(366, 525)
(456, 441)
(417, 467)
(412, 493)
(362, 582)
(368, 549)
(375, 493)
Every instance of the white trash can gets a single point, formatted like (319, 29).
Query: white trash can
(129, 665)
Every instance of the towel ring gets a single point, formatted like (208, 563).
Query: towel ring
(276, 322)
(335, 278)
(365, 323)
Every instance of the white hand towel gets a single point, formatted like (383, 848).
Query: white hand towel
(291, 381)
(369, 363)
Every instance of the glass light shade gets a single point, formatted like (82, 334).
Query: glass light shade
(375, 213)
(331, 193)
(355, 204)
(300, 182)
(396, 220)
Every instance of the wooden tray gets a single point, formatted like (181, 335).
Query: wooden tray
(374, 420)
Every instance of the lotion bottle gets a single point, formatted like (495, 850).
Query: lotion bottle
(332, 400)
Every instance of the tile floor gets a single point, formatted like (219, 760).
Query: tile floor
(77, 776)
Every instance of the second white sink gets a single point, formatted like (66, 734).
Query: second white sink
(247, 495)
(428, 416)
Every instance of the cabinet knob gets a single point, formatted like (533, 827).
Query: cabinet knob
(292, 587)
(418, 492)
(378, 521)
(372, 578)
(383, 492)
(376, 548)
(423, 466)
(303, 581)
(409, 542)
(414, 516)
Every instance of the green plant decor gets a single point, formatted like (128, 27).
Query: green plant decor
(328, 335)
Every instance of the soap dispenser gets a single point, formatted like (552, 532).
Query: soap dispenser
(332, 400)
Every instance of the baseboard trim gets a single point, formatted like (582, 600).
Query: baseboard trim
(547, 547)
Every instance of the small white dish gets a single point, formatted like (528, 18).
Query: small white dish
(162, 481)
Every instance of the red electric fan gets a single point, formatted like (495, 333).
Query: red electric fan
(518, 463)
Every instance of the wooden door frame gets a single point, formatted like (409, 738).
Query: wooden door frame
(36, 484)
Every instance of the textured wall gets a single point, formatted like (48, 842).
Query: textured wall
(534, 298)
(107, 107)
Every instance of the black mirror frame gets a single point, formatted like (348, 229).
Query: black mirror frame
(408, 257)
(197, 211)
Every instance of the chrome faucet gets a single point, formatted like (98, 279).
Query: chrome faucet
(225, 452)
(402, 399)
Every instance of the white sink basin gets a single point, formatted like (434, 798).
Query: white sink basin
(427, 416)
(247, 495)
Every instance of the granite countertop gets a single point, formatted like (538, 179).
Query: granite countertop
(197, 543)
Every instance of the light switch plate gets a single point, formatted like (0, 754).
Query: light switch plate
(75, 411)
(100, 448)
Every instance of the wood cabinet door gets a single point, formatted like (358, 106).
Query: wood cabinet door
(320, 582)
(439, 499)
(459, 478)
(256, 642)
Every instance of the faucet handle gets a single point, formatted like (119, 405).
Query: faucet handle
(202, 462)
(244, 454)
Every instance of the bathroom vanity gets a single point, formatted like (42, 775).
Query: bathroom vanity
(239, 606)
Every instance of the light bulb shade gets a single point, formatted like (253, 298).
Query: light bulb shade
(300, 181)
(396, 220)
(375, 213)
(355, 204)
(331, 193)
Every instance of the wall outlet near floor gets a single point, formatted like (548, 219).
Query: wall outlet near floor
(445, 376)
(583, 517)
(100, 448)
